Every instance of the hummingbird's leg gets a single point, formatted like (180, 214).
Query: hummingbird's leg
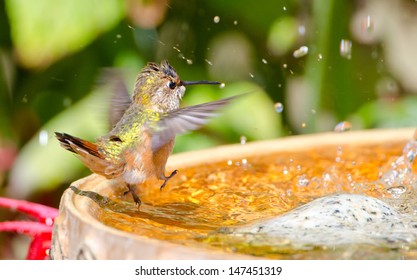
(134, 195)
(166, 178)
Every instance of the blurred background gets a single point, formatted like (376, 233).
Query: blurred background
(311, 66)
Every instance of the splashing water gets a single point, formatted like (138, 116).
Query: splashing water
(301, 30)
(302, 51)
(343, 126)
(279, 107)
(209, 62)
(333, 220)
(395, 180)
(368, 24)
(303, 181)
(319, 57)
(43, 138)
(346, 48)
(399, 177)
(182, 56)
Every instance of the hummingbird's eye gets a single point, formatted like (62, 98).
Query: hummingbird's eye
(172, 85)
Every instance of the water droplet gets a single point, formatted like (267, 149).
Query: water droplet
(189, 61)
(118, 36)
(343, 126)
(327, 177)
(400, 172)
(319, 57)
(368, 24)
(251, 75)
(209, 62)
(244, 161)
(222, 85)
(67, 102)
(284, 8)
(284, 65)
(387, 87)
(285, 170)
(301, 29)
(229, 162)
(302, 51)
(396, 191)
(49, 221)
(303, 181)
(279, 107)
(339, 151)
(243, 140)
(43, 138)
(235, 22)
(346, 48)
(25, 99)
(264, 61)
(216, 19)
(303, 125)
(375, 54)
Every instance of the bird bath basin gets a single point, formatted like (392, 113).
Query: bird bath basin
(344, 195)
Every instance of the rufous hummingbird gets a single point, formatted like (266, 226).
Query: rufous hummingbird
(140, 142)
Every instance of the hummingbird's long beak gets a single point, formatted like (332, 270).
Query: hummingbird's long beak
(189, 83)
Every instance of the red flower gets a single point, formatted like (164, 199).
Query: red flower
(40, 230)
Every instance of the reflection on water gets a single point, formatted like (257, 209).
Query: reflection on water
(200, 202)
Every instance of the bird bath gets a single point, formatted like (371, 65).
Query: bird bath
(334, 195)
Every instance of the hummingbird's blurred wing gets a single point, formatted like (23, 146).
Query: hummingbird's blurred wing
(185, 119)
(120, 100)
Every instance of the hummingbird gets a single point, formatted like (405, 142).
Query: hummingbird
(145, 126)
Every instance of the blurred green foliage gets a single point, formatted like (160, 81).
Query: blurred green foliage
(52, 55)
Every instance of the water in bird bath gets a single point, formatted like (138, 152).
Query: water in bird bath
(334, 201)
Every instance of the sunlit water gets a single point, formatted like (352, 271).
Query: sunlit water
(201, 202)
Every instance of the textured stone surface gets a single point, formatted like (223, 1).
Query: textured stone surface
(335, 220)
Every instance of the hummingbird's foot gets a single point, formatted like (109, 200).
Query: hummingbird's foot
(167, 178)
(131, 189)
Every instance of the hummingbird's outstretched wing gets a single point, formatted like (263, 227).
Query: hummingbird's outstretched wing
(185, 119)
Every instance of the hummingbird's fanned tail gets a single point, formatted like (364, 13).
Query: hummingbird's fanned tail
(74, 144)
(87, 152)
